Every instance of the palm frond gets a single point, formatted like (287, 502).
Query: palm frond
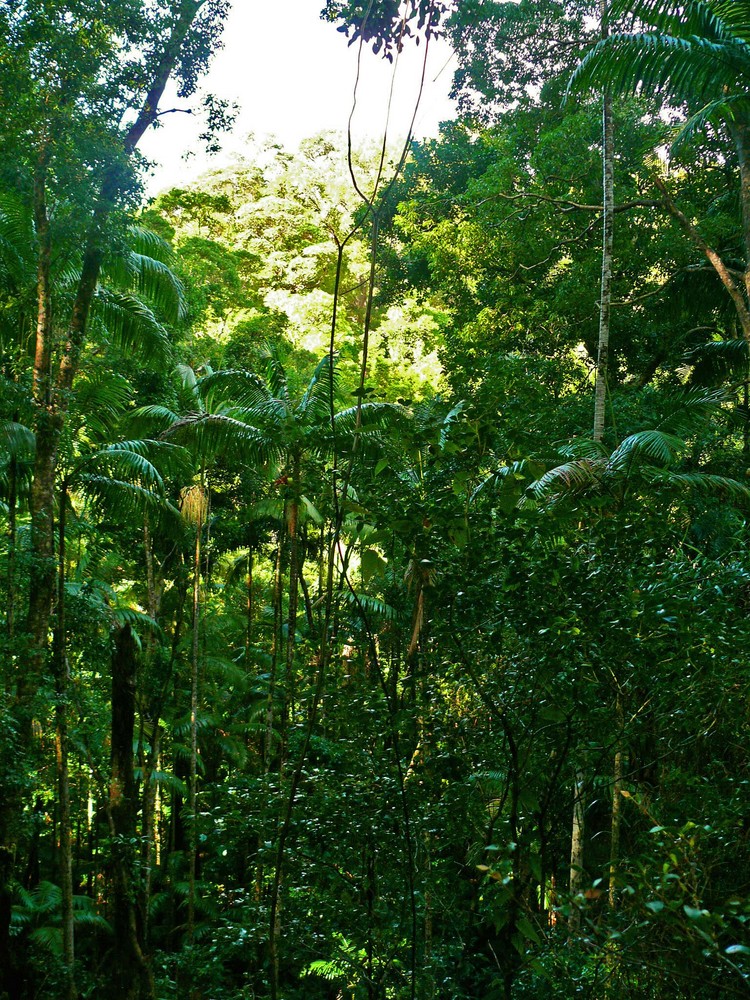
(704, 483)
(676, 17)
(714, 361)
(150, 244)
(164, 779)
(653, 445)
(686, 411)
(155, 418)
(17, 440)
(128, 463)
(160, 285)
(567, 479)
(316, 401)
(116, 498)
(102, 396)
(169, 459)
(213, 434)
(277, 379)
(660, 63)
(238, 385)
(507, 483)
(371, 606)
(373, 416)
(132, 325)
(724, 109)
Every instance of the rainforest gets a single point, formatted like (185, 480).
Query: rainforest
(374, 567)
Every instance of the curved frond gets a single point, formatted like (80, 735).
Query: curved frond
(155, 418)
(238, 385)
(567, 479)
(373, 416)
(131, 325)
(664, 64)
(17, 440)
(371, 606)
(120, 497)
(150, 244)
(686, 411)
(211, 434)
(508, 482)
(160, 285)
(653, 445)
(717, 359)
(724, 109)
(101, 397)
(316, 401)
(694, 17)
(276, 377)
(704, 483)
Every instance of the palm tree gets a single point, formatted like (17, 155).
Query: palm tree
(694, 52)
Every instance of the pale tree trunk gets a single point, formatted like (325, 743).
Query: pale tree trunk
(577, 853)
(608, 215)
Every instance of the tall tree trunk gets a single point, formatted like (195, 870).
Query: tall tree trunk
(61, 673)
(196, 509)
(608, 215)
(249, 610)
(294, 574)
(10, 605)
(131, 977)
(577, 856)
(616, 826)
(273, 679)
(48, 428)
(741, 134)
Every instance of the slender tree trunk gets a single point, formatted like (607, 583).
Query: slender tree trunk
(618, 773)
(60, 663)
(608, 215)
(294, 574)
(131, 977)
(741, 133)
(272, 681)
(48, 429)
(577, 857)
(249, 610)
(10, 606)
(194, 693)
(149, 848)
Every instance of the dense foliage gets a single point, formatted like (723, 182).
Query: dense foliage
(339, 658)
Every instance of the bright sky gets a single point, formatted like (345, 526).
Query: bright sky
(293, 75)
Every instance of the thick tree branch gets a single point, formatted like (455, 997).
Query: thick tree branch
(714, 258)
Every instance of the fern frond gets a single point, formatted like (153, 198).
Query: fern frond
(132, 325)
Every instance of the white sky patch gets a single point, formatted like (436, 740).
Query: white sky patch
(293, 75)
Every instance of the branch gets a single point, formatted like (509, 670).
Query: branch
(566, 205)
(175, 111)
(713, 257)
